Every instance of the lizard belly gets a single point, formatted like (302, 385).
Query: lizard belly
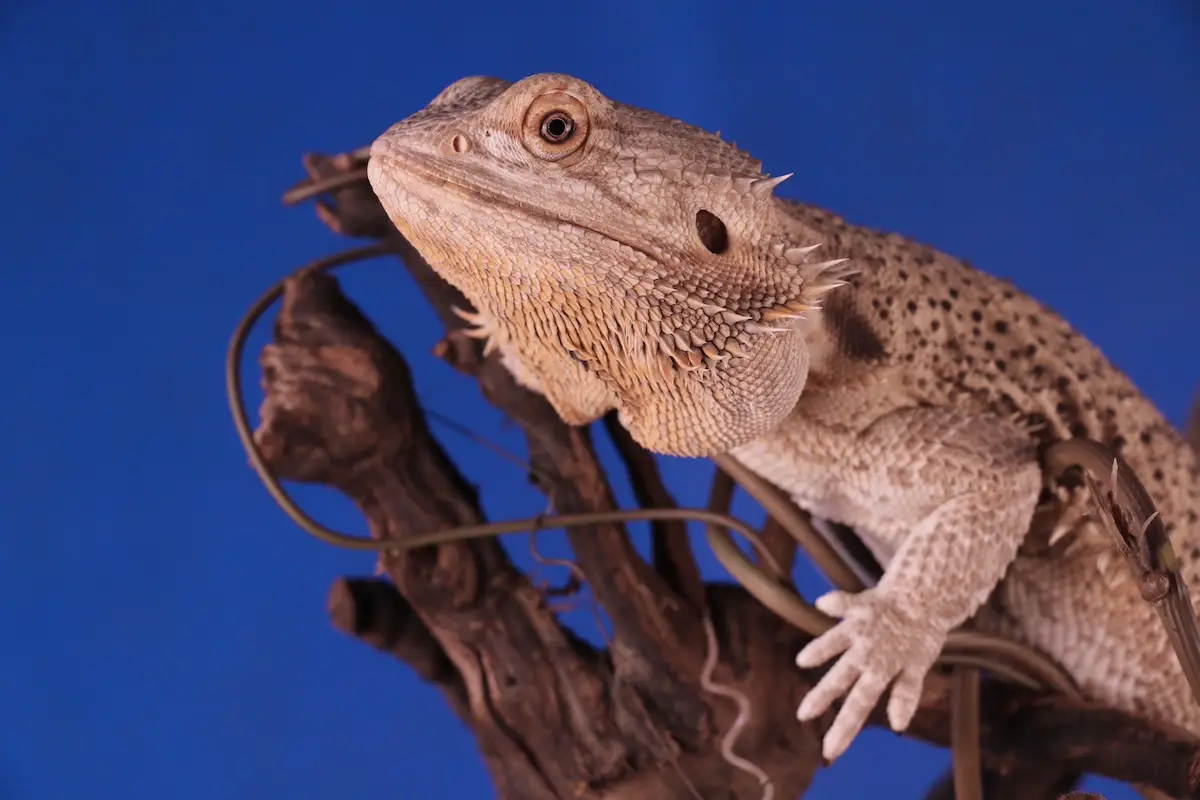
(1103, 634)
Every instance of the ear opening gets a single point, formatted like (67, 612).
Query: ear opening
(712, 232)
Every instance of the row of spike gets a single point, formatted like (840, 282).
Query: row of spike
(822, 278)
(674, 168)
(691, 355)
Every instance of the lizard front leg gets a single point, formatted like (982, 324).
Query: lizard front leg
(945, 496)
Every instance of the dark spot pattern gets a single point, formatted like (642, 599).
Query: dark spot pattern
(856, 337)
(966, 337)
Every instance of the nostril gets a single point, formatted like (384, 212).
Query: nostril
(456, 145)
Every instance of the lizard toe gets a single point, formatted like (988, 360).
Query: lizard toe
(833, 642)
(853, 714)
(905, 698)
(837, 603)
(834, 684)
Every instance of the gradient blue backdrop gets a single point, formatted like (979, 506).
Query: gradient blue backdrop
(163, 627)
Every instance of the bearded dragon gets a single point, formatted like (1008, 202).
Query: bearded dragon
(620, 259)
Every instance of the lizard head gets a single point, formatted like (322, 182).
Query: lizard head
(617, 258)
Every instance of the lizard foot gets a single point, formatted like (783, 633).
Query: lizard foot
(879, 644)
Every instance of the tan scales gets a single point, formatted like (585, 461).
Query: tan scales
(619, 259)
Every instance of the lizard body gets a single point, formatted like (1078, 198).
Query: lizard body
(621, 259)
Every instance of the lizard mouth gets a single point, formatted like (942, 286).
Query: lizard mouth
(400, 169)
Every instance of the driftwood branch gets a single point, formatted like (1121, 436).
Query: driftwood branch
(554, 717)
(673, 558)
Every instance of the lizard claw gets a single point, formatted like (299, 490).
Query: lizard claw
(879, 645)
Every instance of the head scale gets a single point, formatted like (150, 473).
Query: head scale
(617, 258)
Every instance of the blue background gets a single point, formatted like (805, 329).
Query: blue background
(163, 626)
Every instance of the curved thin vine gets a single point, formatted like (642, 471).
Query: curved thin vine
(1004, 658)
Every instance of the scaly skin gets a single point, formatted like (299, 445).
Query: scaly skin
(623, 260)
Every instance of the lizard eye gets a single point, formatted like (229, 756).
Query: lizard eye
(556, 127)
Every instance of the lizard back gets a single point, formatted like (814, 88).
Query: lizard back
(949, 334)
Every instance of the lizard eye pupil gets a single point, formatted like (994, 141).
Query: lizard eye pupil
(557, 127)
